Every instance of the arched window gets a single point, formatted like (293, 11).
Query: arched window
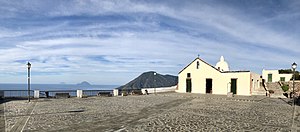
(198, 64)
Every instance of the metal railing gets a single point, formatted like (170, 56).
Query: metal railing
(17, 93)
(50, 93)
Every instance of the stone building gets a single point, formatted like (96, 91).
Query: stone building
(201, 77)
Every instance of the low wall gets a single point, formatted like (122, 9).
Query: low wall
(159, 90)
(72, 93)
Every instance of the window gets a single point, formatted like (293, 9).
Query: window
(282, 79)
(188, 74)
(269, 77)
(198, 64)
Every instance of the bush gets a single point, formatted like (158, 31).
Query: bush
(285, 87)
(297, 76)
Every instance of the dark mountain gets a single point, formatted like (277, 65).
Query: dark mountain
(84, 83)
(149, 80)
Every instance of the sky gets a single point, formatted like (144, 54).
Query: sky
(114, 41)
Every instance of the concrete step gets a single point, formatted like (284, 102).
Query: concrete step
(277, 96)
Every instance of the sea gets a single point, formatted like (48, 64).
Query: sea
(53, 87)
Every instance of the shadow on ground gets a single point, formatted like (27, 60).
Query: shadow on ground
(11, 99)
(297, 101)
(291, 101)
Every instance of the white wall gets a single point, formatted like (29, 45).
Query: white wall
(275, 75)
(220, 81)
(287, 76)
(255, 81)
(198, 77)
(159, 90)
(243, 82)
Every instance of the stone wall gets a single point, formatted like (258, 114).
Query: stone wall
(297, 87)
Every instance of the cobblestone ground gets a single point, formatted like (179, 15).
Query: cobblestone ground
(2, 120)
(162, 112)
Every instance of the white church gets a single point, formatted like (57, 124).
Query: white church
(201, 77)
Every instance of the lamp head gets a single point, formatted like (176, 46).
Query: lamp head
(294, 65)
(28, 65)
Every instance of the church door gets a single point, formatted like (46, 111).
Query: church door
(233, 86)
(188, 85)
(208, 85)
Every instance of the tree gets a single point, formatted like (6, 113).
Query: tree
(297, 76)
(285, 71)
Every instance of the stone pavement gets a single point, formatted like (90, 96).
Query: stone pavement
(162, 112)
(21, 123)
(296, 123)
(2, 119)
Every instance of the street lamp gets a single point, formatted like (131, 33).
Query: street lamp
(154, 83)
(28, 66)
(294, 66)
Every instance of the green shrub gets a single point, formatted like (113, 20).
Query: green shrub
(285, 87)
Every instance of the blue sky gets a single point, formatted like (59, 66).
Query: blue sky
(113, 41)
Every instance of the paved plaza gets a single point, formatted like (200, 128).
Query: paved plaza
(162, 112)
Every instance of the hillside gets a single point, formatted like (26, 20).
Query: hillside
(149, 80)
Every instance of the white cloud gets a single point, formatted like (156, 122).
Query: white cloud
(135, 37)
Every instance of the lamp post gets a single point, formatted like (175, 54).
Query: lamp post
(28, 66)
(294, 66)
(154, 83)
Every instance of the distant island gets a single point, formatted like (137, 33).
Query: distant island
(84, 83)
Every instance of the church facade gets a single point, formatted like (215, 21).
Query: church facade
(201, 77)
